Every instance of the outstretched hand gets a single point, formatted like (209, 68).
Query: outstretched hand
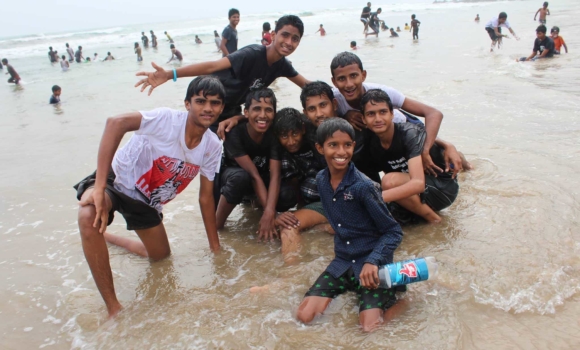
(153, 79)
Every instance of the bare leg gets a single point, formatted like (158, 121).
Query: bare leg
(290, 237)
(412, 203)
(371, 319)
(311, 307)
(466, 165)
(224, 209)
(155, 242)
(97, 254)
(131, 245)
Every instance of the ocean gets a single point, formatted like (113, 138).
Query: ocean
(508, 248)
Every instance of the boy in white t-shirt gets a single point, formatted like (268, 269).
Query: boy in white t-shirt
(493, 28)
(168, 149)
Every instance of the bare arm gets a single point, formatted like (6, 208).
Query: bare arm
(257, 183)
(299, 80)
(207, 206)
(433, 119)
(160, 76)
(451, 156)
(115, 129)
(223, 46)
(565, 47)
(415, 186)
(514, 34)
(536, 15)
(267, 224)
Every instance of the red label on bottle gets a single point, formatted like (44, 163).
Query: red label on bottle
(409, 269)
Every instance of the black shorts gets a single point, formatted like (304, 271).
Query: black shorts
(491, 33)
(236, 183)
(137, 214)
(329, 287)
(374, 26)
(440, 192)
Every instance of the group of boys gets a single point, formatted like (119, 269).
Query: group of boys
(325, 159)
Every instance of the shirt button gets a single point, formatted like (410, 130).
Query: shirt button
(338, 225)
(347, 242)
(334, 199)
(353, 261)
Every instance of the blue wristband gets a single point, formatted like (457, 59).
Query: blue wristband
(174, 75)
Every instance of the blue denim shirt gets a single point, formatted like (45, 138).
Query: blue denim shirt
(365, 230)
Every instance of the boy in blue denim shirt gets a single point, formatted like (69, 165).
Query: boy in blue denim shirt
(366, 233)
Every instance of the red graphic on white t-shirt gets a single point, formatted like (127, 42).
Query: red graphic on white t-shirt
(166, 178)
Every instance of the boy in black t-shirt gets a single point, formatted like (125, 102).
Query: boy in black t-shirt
(250, 66)
(396, 149)
(251, 164)
(543, 45)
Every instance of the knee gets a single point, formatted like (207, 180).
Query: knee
(86, 218)
(387, 182)
(305, 316)
(159, 255)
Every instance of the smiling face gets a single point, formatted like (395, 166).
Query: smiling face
(204, 111)
(337, 150)
(292, 140)
(541, 35)
(349, 81)
(234, 20)
(286, 40)
(319, 108)
(260, 114)
(378, 117)
(57, 93)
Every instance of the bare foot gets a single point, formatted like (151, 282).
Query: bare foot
(260, 289)
(114, 310)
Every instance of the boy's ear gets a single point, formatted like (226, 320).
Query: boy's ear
(335, 105)
(187, 105)
(246, 112)
(364, 75)
(319, 148)
(333, 82)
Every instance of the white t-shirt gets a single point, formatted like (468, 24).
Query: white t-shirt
(397, 98)
(155, 165)
(64, 65)
(494, 23)
(71, 53)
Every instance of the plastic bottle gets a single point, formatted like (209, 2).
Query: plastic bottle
(408, 271)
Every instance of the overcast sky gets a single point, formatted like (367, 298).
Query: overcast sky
(24, 17)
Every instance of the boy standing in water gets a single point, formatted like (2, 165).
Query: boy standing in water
(168, 149)
(364, 17)
(197, 40)
(253, 64)
(321, 30)
(153, 39)
(70, 53)
(374, 21)
(493, 28)
(79, 55)
(175, 54)
(543, 11)
(266, 35)
(543, 45)
(229, 42)
(366, 233)
(55, 98)
(14, 77)
(169, 38)
(145, 40)
(415, 27)
(558, 40)
(138, 52)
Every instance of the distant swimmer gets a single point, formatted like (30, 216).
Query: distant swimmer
(398, 29)
(144, 39)
(51, 55)
(543, 11)
(138, 52)
(394, 34)
(55, 97)
(558, 40)
(365, 16)
(407, 27)
(197, 40)
(477, 18)
(374, 21)
(353, 45)
(384, 26)
(543, 45)
(109, 57)
(153, 39)
(493, 28)
(321, 30)
(168, 38)
(64, 64)
(175, 54)
(56, 57)
(266, 35)
(217, 39)
(229, 42)
(79, 55)
(415, 23)
(95, 57)
(70, 52)
(14, 77)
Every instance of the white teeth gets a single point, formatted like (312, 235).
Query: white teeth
(340, 160)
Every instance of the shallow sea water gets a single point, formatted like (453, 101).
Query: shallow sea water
(508, 248)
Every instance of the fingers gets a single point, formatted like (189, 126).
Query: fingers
(141, 74)
(157, 68)
(142, 81)
(104, 220)
(151, 90)
(220, 133)
(97, 217)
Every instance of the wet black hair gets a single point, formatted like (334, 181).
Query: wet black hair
(379, 9)
(344, 59)
(290, 20)
(315, 88)
(80, 47)
(50, 47)
(289, 119)
(266, 27)
(5, 61)
(66, 44)
(353, 43)
(413, 16)
(136, 44)
(555, 29)
(232, 12)
(258, 93)
(108, 53)
(546, 3)
(63, 57)
(375, 96)
(172, 46)
(541, 29)
(206, 84)
(330, 126)
(502, 15)
(55, 88)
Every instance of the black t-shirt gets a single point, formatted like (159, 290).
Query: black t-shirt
(408, 142)
(373, 18)
(52, 56)
(367, 14)
(231, 35)
(238, 143)
(145, 40)
(546, 44)
(250, 65)
(78, 55)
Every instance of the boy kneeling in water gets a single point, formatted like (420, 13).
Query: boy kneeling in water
(396, 149)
